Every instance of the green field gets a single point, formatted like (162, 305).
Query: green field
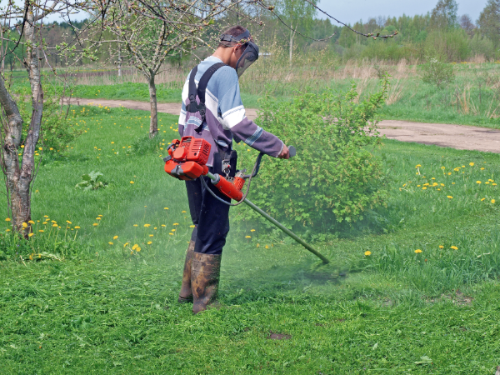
(105, 308)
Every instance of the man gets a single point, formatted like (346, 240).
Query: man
(218, 120)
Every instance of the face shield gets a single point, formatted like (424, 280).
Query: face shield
(250, 51)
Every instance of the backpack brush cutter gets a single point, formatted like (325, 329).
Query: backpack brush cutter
(187, 161)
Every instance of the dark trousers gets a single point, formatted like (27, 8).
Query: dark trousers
(209, 215)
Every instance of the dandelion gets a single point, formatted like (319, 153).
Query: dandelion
(98, 218)
(183, 212)
(31, 234)
(150, 242)
(478, 182)
(248, 236)
(252, 230)
(165, 208)
(493, 201)
(95, 224)
(418, 166)
(41, 230)
(450, 197)
(31, 222)
(55, 225)
(454, 247)
(176, 224)
(192, 226)
(441, 246)
(424, 188)
(267, 247)
(151, 235)
(115, 237)
(418, 251)
(482, 199)
(172, 230)
(471, 164)
(77, 227)
(147, 225)
(25, 225)
(8, 219)
(171, 234)
(138, 249)
(482, 168)
(494, 184)
(135, 225)
(163, 225)
(125, 244)
(131, 182)
(111, 243)
(443, 168)
(368, 253)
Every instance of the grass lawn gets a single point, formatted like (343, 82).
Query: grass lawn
(106, 308)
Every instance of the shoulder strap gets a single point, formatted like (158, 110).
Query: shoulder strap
(202, 85)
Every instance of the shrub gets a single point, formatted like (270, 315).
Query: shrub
(57, 130)
(91, 181)
(437, 72)
(334, 178)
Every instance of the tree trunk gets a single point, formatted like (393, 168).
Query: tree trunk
(292, 35)
(19, 177)
(153, 125)
(119, 60)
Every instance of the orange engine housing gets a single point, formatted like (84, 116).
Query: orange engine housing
(187, 158)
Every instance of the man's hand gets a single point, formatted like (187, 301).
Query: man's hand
(285, 153)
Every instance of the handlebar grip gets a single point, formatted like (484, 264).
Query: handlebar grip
(292, 151)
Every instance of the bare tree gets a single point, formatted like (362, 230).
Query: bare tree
(19, 168)
(467, 24)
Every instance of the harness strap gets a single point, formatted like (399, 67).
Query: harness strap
(193, 106)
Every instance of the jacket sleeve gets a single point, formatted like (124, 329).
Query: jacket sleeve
(232, 116)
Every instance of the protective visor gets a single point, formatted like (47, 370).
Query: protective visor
(250, 53)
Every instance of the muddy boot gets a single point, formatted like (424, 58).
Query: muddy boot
(186, 295)
(205, 271)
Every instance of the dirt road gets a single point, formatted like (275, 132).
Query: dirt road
(456, 136)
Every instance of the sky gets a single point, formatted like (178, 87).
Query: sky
(352, 11)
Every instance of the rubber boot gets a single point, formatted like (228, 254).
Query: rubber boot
(186, 295)
(205, 273)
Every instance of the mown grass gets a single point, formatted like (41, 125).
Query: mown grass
(108, 308)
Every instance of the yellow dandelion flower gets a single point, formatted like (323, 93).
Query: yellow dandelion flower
(150, 242)
(449, 173)
(77, 227)
(125, 244)
(151, 235)
(478, 182)
(454, 247)
(171, 234)
(135, 225)
(192, 226)
(368, 253)
(55, 225)
(494, 184)
(482, 168)
(175, 224)
(471, 164)
(31, 234)
(98, 218)
(31, 222)
(25, 225)
(165, 208)
(163, 225)
(183, 212)
(418, 166)
(41, 230)
(95, 224)
(172, 230)
(418, 251)
(493, 201)
(248, 236)
(424, 188)
(450, 197)
(111, 243)
(482, 199)
(252, 230)
(7, 230)
(131, 182)
(441, 246)
(147, 225)
(138, 249)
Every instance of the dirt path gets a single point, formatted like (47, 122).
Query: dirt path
(456, 136)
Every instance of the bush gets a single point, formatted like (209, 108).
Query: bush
(334, 178)
(437, 72)
(57, 130)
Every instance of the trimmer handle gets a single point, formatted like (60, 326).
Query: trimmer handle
(291, 149)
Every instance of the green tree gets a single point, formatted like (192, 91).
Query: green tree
(489, 21)
(444, 14)
(298, 15)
